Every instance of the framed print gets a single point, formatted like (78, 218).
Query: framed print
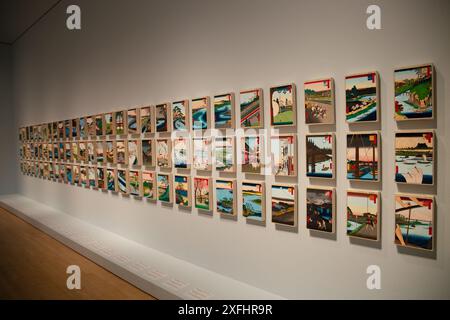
(54, 131)
(133, 153)
(122, 181)
(224, 111)
(82, 151)
(414, 93)
(134, 183)
(149, 185)
(224, 152)
(319, 101)
(44, 131)
(62, 173)
(414, 157)
(283, 106)
(99, 152)
(320, 156)
(226, 197)
(146, 120)
(75, 155)
(82, 128)
(148, 152)
(76, 175)
(132, 121)
(99, 125)
(363, 214)
(362, 97)
(119, 123)
(110, 153)
(109, 123)
(181, 157)
(284, 204)
(90, 150)
(251, 160)
(251, 109)
(92, 177)
(182, 187)
(62, 153)
(253, 200)
(202, 193)
(61, 130)
(164, 153)
(320, 209)
(67, 130)
(74, 127)
(162, 117)
(200, 113)
(100, 175)
(84, 182)
(180, 115)
(202, 154)
(284, 155)
(111, 179)
(121, 152)
(69, 174)
(164, 187)
(363, 159)
(91, 126)
(414, 221)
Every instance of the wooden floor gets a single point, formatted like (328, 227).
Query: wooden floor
(33, 266)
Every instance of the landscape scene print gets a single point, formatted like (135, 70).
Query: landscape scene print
(162, 117)
(414, 162)
(283, 205)
(414, 93)
(414, 221)
(283, 149)
(362, 157)
(200, 113)
(180, 115)
(282, 105)
(251, 154)
(362, 215)
(361, 97)
(225, 203)
(163, 188)
(319, 209)
(253, 201)
(319, 156)
(223, 111)
(224, 154)
(148, 185)
(319, 102)
(202, 196)
(251, 109)
(182, 194)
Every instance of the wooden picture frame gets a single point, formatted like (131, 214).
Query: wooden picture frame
(109, 123)
(164, 153)
(284, 204)
(134, 153)
(251, 191)
(181, 153)
(146, 120)
(121, 153)
(202, 192)
(134, 183)
(149, 185)
(133, 121)
(164, 187)
(352, 165)
(283, 114)
(182, 190)
(148, 154)
(319, 101)
(328, 170)
(222, 205)
(249, 156)
(251, 106)
(360, 225)
(284, 165)
(200, 108)
(223, 145)
(313, 214)
(224, 111)
(180, 116)
(163, 119)
(120, 126)
(202, 153)
(365, 113)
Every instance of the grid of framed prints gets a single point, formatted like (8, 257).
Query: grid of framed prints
(147, 152)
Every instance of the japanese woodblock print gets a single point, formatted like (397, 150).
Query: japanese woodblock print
(82, 151)
(320, 156)
(226, 197)
(361, 94)
(146, 120)
(414, 221)
(111, 179)
(68, 174)
(363, 157)
(132, 121)
(110, 152)
(180, 115)
(133, 152)
(251, 154)
(320, 209)
(76, 175)
(90, 150)
(414, 93)
(119, 122)
(181, 153)
(74, 127)
(163, 153)
(134, 183)
(149, 185)
(99, 125)
(122, 181)
(162, 117)
(82, 128)
(202, 154)
(182, 187)
(224, 154)
(363, 214)
(414, 157)
(121, 152)
(224, 111)
(283, 106)
(91, 175)
(83, 176)
(284, 205)
(319, 101)
(164, 186)
(44, 131)
(251, 109)
(148, 150)
(91, 126)
(284, 155)
(202, 193)
(100, 175)
(75, 155)
(61, 130)
(253, 201)
(99, 152)
(109, 124)
(200, 113)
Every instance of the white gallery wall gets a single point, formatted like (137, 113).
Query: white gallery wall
(133, 53)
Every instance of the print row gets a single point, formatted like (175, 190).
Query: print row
(414, 154)
(414, 99)
(414, 214)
